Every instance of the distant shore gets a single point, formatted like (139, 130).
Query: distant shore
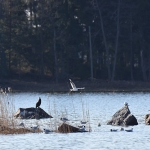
(90, 86)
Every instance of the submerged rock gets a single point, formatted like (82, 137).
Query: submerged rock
(66, 128)
(31, 113)
(147, 119)
(123, 117)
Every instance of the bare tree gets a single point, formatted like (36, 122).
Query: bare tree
(117, 39)
(105, 41)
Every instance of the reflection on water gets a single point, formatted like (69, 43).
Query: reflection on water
(94, 107)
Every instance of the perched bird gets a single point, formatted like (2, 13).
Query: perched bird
(74, 88)
(99, 125)
(82, 129)
(113, 130)
(34, 128)
(121, 129)
(80, 126)
(64, 119)
(21, 124)
(46, 131)
(83, 122)
(129, 130)
(38, 103)
(1, 90)
(9, 89)
(126, 104)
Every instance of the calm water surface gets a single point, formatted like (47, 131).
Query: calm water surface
(94, 107)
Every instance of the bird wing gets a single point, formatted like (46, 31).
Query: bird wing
(72, 84)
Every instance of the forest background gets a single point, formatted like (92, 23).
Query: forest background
(52, 41)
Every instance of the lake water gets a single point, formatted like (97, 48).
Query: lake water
(93, 107)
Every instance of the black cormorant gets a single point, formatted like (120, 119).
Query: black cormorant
(38, 103)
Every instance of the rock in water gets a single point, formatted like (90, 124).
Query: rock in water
(123, 117)
(66, 128)
(31, 113)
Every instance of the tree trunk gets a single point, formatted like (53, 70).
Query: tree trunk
(55, 57)
(117, 39)
(105, 42)
(131, 50)
(10, 36)
(143, 65)
(91, 57)
(42, 54)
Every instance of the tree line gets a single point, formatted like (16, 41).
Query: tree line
(61, 39)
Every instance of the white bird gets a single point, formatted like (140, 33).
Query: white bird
(82, 129)
(21, 124)
(129, 130)
(74, 88)
(9, 89)
(113, 130)
(46, 131)
(80, 126)
(1, 89)
(126, 104)
(34, 128)
(64, 119)
(83, 122)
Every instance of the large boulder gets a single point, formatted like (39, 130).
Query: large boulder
(31, 113)
(147, 119)
(123, 117)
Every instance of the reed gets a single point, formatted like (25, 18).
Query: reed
(8, 124)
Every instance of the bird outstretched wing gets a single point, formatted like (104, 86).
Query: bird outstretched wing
(72, 84)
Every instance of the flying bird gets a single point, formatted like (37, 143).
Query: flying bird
(74, 88)
(38, 103)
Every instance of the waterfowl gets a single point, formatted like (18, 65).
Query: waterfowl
(126, 104)
(38, 103)
(46, 131)
(129, 130)
(64, 119)
(34, 128)
(84, 122)
(21, 124)
(121, 129)
(9, 89)
(80, 126)
(113, 130)
(82, 129)
(99, 125)
(74, 88)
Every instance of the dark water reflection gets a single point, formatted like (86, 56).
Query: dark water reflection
(94, 107)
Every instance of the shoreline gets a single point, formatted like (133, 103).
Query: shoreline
(90, 86)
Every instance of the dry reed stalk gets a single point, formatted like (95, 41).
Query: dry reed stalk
(86, 113)
(49, 110)
(55, 114)
(8, 125)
